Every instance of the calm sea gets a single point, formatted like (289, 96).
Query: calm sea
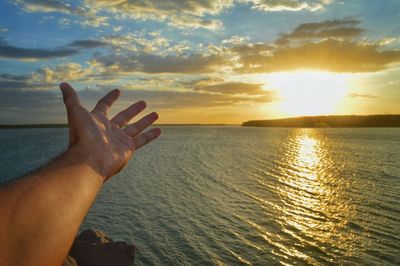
(233, 196)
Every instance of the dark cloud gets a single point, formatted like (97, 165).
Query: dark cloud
(166, 99)
(13, 52)
(8, 81)
(30, 106)
(345, 28)
(149, 63)
(87, 44)
(19, 105)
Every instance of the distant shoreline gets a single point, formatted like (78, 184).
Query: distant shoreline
(5, 126)
(292, 122)
(329, 121)
(34, 126)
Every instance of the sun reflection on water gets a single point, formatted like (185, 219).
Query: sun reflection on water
(314, 212)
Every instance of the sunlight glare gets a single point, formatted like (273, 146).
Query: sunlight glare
(309, 92)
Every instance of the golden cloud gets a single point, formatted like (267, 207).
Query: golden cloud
(331, 55)
(86, 16)
(70, 71)
(291, 5)
(232, 88)
(177, 13)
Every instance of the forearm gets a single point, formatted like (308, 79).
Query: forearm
(41, 212)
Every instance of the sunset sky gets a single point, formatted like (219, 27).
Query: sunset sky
(204, 61)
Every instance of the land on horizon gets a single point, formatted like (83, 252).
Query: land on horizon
(61, 125)
(392, 120)
(329, 121)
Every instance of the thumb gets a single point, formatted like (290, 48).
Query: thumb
(69, 95)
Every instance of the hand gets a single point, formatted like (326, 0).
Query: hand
(107, 145)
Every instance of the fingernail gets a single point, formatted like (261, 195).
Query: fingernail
(155, 115)
(142, 103)
(64, 85)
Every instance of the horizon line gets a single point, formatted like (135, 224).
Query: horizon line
(60, 125)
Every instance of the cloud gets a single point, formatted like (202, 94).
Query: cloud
(358, 95)
(386, 41)
(330, 55)
(290, 5)
(177, 13)
(149, 63)
(63, 72)
(65, 21)
(8, 82)
(169, 99)
(47, 6)
(235, 40)
(20, 53)
(85, 16)
(332, 45)
(87, 44)
(30, 106)
(3, 29)
(345, 28)
(181, 14)
(191, 7)
(13, 52)
(139, 41)
(46, 77)
(232, 88)
(194, 22)
(46, 104)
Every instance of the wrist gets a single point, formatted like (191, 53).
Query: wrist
(85, 157)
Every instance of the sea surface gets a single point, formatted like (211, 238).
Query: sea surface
(237, 196)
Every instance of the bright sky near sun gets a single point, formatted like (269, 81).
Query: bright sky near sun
(225, 61)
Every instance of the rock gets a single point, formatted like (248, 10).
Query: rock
(94, 237)
(69, 261)
(94, 248)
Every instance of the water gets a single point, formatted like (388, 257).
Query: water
(233, 196)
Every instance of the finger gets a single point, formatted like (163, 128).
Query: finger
(146, 137)
(71, 101)
(69, 96)
(104, 104)
(137, 127)
(123, 117)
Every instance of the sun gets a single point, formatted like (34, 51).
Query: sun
(309, 92)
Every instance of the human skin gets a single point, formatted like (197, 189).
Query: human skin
(40, 213)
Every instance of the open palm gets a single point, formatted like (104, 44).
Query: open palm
(107, 142)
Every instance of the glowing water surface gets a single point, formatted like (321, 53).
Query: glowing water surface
(256, 196)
